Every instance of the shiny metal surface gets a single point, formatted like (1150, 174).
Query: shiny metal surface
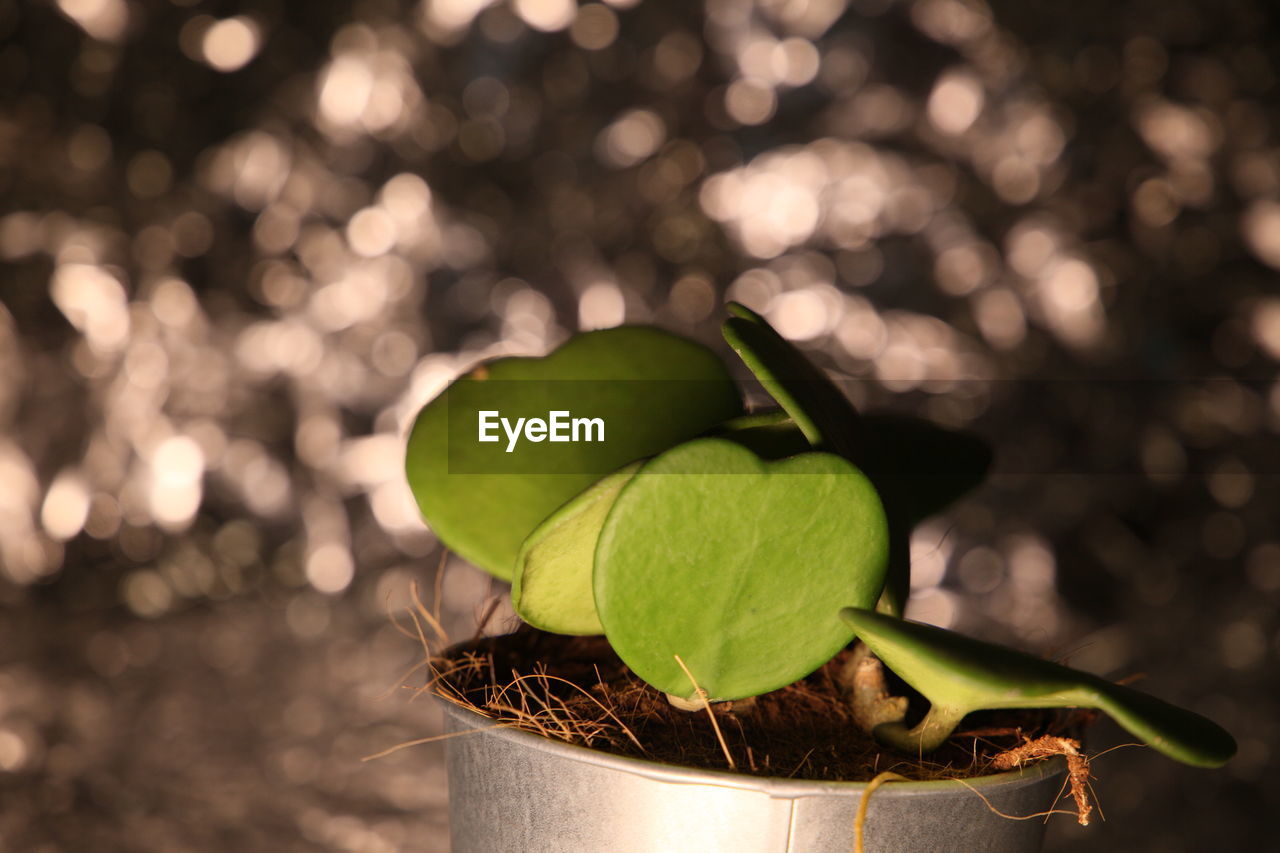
(515, 792)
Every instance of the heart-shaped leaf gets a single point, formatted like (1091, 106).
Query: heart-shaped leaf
(917, 467)
(732, 562)
(959, 675)
(650, 389)
(552, 585)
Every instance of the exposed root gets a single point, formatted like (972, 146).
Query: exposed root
(1047, 746)
(861, 819)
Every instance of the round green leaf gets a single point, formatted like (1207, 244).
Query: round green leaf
(552, 585)
(651, 389)
(958, 675)
(733, 562)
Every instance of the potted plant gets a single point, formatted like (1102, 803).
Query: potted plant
(619, 486)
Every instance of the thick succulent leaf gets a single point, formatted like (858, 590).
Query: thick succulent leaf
(961, 674)
(652, 390)
(552, 585)
(732, 562)
(817, 406)
(770, 434)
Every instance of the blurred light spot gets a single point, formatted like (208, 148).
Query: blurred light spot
(192, 234)
(307, 615)
(693, 298)
(1155, 203)
(981, 570)
(149, 174)
(486, 97)
(105, 20)
(633, 137)
(146, 364)
(178, 460)
(951, 21)
(177, 466)
(94, 302)
(329, 568)
(1031, 246)
(601, 306)
(1266, 320)
(1231, 484)
(146, 593)
(932, 606)
(1174, 131)
(595, 27)
(406, 197)
(802, 315)
(750, 102)
(317, 440)
(1243, 645)
(1032, 568)
(956, 102)
(66, 506)
(229, 44)
(345, 88)
(13, 751)
(677, 56)
(1263, 567)
(862, 333)
(103, 521)
(755, 289)
(173, 302)
(546, 15)
(794, 61)
(1068, 295)
(394, 506)
(930, 552)
(393, 353)
(371, 232)
(962, 268)
(20, 235)
(1163, 459)
(89, 148)
(1000, 318)
(1015, 179)
(371, 460)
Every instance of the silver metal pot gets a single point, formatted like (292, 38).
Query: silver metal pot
(516, 792)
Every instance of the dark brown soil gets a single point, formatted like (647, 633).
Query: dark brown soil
(576, 689)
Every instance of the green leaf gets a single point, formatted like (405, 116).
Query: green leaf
(552, 585)
(732, 562)
(917, 467)
(822, 412)
(959, 675)
(652, 390)
(770, 434)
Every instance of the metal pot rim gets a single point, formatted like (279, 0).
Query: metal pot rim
(468, 720)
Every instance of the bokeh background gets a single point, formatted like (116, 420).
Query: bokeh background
(242, 243)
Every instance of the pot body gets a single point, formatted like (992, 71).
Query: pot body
(516, 792)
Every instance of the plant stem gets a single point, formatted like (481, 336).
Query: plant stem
(928, 735)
